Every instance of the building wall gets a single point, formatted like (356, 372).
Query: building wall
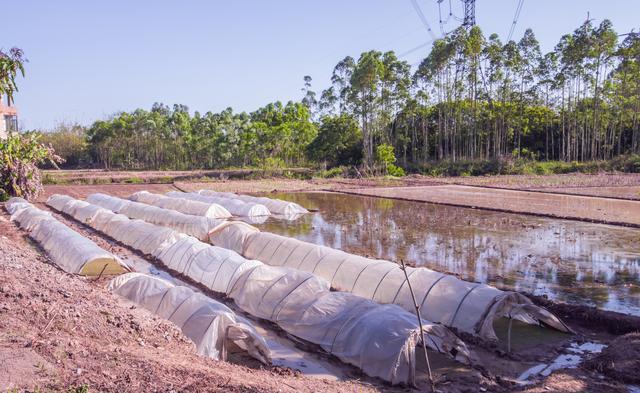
(3, 127)
(8, 116)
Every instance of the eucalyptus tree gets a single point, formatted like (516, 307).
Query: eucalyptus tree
(434, 71)
(602, 45)
(335, 98)
(528, 58)
(493, 77)
(364, 95)
(626, 94)
(309, 98)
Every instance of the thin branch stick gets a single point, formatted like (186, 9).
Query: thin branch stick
(49, 323)
(53, 316)
(424, 342)
(102, 271)
(509, 335)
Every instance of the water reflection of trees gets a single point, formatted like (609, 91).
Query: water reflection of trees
(566, 260)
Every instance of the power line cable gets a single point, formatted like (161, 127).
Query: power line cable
(515, 19)
(408, 52)
(440, 17)
(423, 18)
(450, 16)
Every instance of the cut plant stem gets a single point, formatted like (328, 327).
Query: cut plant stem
(424, 342)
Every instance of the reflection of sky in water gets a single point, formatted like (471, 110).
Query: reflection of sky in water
(566, 260)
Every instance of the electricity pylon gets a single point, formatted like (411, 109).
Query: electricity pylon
(469, 13)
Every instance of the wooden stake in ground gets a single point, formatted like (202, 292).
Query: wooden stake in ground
(424, 342)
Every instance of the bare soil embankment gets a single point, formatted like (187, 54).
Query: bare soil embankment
(607, 185)
(119, 190)
(592, 209)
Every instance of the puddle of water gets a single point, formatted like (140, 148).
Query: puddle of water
(528, 338)
(571, 261)
(567, 360)
(285, 354)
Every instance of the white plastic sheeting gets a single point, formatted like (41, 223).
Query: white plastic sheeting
(302, 304)
(379, 339)
(68, 249)
(275, 206)
(196, 226)
(234, 206)
(445, 299)
(211, 325)
(138, 234)
(15, 204)
(196, 208)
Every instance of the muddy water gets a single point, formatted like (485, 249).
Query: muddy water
(570, 261)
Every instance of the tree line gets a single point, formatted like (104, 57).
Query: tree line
(471, 98)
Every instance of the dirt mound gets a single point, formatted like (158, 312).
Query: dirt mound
(620, 360)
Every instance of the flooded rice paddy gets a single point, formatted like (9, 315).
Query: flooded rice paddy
(570, 261)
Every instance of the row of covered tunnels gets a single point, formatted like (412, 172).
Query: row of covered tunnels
(358, 309)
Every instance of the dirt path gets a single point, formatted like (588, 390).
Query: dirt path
(593, 209)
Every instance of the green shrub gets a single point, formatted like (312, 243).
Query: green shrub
(386, 158)
(396, 171)
(330, 173)
(134, 180)
(20, 156)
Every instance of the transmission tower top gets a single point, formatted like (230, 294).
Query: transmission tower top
(469, 13)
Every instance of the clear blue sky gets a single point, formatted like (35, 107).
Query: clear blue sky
(89, 59)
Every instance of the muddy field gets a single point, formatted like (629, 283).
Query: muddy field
(593, 209)
(609, 185)
(59, 331)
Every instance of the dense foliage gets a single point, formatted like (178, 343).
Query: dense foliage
(20, 156)
(170, 138)
(69, 141)
(338, 143)
(472, 99)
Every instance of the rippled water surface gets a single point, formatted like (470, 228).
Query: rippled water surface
(571, 261)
